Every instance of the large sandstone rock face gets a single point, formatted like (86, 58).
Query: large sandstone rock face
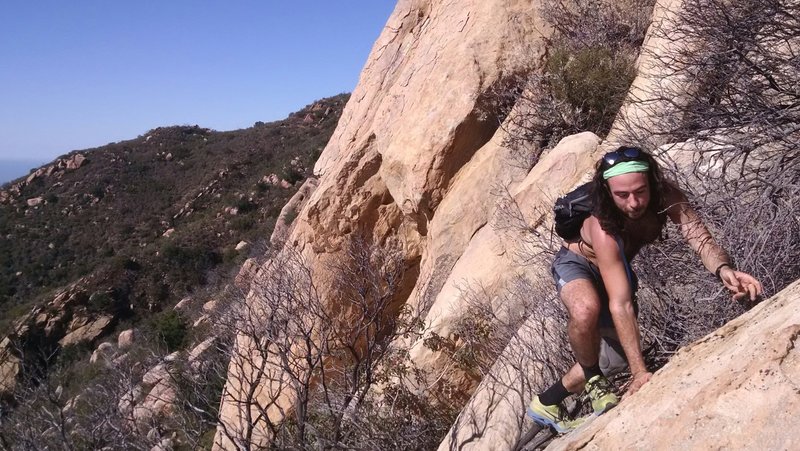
(408, 133)
(412, 162)
(736, 388)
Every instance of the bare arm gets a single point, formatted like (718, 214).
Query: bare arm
(620, 296)
(713, 256)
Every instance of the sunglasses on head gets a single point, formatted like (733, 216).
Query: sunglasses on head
(620, 155)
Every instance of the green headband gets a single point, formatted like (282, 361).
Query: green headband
(625, 167)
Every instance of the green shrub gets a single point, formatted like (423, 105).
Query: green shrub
(592, 81)
(243, 223)
(171, 330)
(291, 175)
(245, 205)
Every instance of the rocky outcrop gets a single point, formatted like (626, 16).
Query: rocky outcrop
(56, 169)
(493, 258)
(84, 329)
(413, 162)
(10, 366)
(284, 224)
(735, 388)
(63, 321)
(402, 140)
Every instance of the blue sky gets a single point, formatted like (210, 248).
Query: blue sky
(81, 74)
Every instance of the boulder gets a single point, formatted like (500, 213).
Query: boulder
(247, 273)
(183, 305)
(34, 201)
(242, 246)
(76, 161)
(210, 306)
(10, 367)
(158, 403)
(85, 330)
(105, 352)
(286, 219)
(126, 338)
(200, 352)
(492, 259)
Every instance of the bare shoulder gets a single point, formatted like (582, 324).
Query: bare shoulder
(600, 240)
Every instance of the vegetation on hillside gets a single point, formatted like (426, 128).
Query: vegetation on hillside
(110, 218)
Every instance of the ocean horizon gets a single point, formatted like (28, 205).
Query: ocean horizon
(14, 169)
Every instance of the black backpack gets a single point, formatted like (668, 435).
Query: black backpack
(571, 209)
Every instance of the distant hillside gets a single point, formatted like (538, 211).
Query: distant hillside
(147, 220)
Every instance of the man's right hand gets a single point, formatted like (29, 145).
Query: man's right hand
(742, 285)
(636, 383)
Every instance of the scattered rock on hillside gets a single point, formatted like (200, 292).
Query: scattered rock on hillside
(126, 338)
(84, 329)
(10, 366)
(34, 201)
(210, 306)
(183, 305)
(105, 352)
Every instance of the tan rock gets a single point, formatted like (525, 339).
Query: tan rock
(34, 201)
(128, 401)
(247, 273)
(104, 353)
(183, 305)
(242, 246)
(126, 338)
(159, 402)
(200, 352)
(168, 233)
(166, 444)
(76, 161)
(403, 137)
(286, 219)
(203, 320)
(495, 257)
(83, 329)
(10, 367)
(655, 92)
(210, 306)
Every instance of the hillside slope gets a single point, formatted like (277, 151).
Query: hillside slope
(176, 200)
(111, 238)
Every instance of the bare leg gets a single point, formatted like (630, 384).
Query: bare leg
(583, 305)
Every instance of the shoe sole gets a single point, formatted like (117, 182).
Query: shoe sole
(546, 422)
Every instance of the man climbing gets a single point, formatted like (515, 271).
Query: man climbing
(631, 203)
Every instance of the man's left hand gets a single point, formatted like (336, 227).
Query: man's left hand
(741, 284)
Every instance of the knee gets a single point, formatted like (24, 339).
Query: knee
(585, 316)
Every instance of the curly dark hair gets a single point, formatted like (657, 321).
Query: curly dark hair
(612, 221)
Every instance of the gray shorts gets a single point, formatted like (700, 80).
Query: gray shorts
(568, 266)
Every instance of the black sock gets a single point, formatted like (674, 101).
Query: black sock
(591, 371)
(554, 395)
